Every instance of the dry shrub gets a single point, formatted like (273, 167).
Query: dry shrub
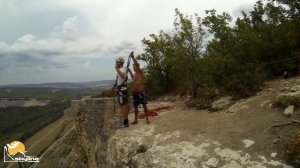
(205, 98)
(292, 151)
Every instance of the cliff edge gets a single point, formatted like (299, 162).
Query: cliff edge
(95, 123)
(235, 136)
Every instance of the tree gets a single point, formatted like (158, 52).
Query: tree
(173, 59)
(189, 40)
(236, 58)
(231, 54)
(158, 56)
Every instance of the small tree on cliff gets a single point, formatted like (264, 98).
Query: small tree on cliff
(189, 40)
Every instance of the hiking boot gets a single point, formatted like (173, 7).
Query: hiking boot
(124, 126)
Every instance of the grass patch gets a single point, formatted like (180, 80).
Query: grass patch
(292, 151)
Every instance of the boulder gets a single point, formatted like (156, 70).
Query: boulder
(239, 106)
(284, 89)
(289, 110)
(295, 88)
(212, 162)
(222, 103)
(287, 99)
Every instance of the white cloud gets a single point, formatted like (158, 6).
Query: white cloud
(87, 66)
(68, 31)
(26, 39)
(92, 30)
(64, 41)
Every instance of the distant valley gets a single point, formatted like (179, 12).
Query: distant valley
(90, 84)
(25, 109)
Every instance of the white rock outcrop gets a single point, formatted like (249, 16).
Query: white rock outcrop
(289, 111)
(221, 103)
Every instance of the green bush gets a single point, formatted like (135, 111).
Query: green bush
(289, 99)
(205, 98)
(199, 104)
(243, 80)
(292, 150)
(262, 44)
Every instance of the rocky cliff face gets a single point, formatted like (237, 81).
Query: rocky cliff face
(178, 138)
(106, 146)
(95, 122)
(237, 136)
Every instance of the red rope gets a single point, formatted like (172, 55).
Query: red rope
(154, 112)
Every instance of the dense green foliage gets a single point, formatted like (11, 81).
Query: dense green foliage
(19, 123)
(217, 52)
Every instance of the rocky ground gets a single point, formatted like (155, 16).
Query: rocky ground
(237, 136)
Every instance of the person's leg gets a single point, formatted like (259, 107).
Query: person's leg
(121, 104)
(146, 113)
(124, 110)
(121, 115)
(144, 103)
(135, 105)
(136, 112)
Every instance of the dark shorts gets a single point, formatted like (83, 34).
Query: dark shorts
(122, 94)
(139, 98)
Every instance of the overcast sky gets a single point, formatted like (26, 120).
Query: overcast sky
(78, 40)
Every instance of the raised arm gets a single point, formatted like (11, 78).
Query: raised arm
(132, 56)
(135, 61)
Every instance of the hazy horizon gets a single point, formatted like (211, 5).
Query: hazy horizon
(57, 82)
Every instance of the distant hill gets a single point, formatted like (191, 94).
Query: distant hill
(90, 84)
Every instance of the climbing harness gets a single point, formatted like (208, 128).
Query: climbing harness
(127, 70)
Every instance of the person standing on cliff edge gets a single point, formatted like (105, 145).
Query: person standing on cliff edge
(139, 95)
(121, 90)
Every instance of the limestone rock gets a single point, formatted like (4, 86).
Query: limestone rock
(212, 162)
(284, 89)
(289, 110)
(287, 99)
(221, 103)
(266, 104)
(274, 154)
(295, 88)
(248, 142)
(237, 107)
(95, 122)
